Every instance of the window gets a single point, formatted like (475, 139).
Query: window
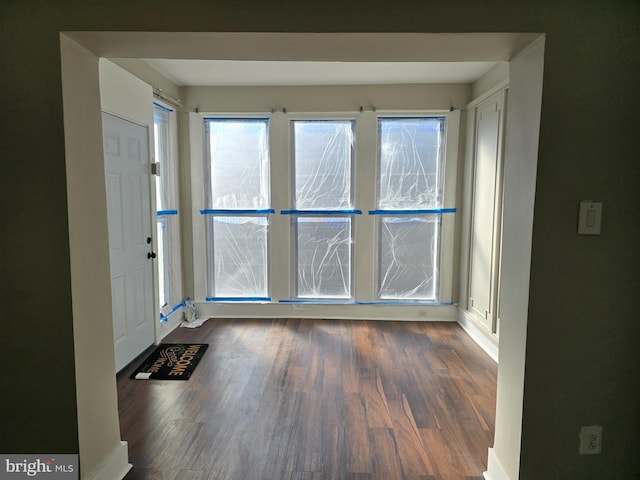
(238, 250)
(323, 201)
(237, 199)
(168, 225)
(323, 151)
(281, 216)
(411, 156)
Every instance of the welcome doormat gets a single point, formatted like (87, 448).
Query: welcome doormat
(171, 361)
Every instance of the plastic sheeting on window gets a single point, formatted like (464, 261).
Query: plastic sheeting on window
(167, 242)
(237, 163)
(166, 191)
(408, 256)
(323, 257)
(323, 151)
(169, 265)
(411, 155)
(237, 256)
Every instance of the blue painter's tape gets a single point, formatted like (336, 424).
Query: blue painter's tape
(238, 299)
(262, 211)
(415, 117)
(162, 213)
(351, 302)
(417, 302)
(164, 318)
(412, 212)
(321, 212)
(318, 301)
(162, 107)
(237, 119)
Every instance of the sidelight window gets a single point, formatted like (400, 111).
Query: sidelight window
(167, 214)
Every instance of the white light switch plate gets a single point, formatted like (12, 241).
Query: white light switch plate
(589, 218)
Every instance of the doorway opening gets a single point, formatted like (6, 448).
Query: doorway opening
(91, 297)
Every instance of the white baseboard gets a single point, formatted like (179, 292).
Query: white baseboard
(433, 313)
(114, 467)
(478, 335)
(495, 471)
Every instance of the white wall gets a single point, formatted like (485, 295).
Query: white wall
(498, 75)
(521, 160)
(147, 74)
(102, 455)
(126, 96)
(326, 99)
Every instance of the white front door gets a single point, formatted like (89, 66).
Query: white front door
(126, 154)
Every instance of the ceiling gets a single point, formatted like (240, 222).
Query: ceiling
(305, 73)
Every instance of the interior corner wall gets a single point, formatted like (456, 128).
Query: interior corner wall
(497, 75)
(97, 405)
(126, 96)
(147, 74)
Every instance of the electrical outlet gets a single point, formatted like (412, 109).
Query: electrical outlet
(591, 440)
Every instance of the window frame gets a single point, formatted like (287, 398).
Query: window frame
(168, 181)
(207, 153)
(295, 293)
(407, 212)
(210, 256)
(364, 177)
(444, 287)
(209, 213)
(322, 213)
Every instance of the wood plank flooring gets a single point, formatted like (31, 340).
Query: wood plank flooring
(316, 400)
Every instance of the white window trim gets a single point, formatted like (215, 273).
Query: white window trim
(316, 116)
(447, 230)
(198, 195)
(174, 318)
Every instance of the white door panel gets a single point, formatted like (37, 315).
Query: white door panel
(129, 214)
(116, 227)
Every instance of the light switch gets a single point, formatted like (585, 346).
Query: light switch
(589, 218)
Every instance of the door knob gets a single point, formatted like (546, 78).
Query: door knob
(151, 255)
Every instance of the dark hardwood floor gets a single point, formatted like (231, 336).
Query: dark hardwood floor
(316, 399)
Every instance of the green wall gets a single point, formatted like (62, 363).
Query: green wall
(583, 334)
